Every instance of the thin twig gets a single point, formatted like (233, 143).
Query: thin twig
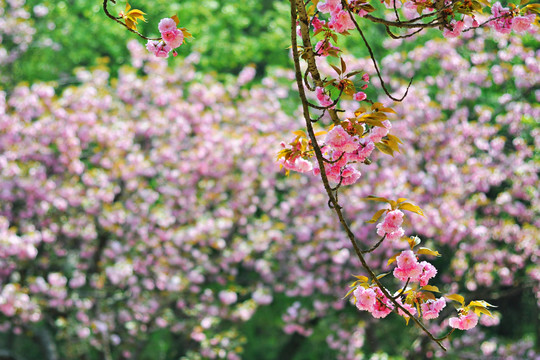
(379, 75)
(371, 249)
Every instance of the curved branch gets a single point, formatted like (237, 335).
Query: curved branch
(117, 19)
(379, 75)
(332, 199)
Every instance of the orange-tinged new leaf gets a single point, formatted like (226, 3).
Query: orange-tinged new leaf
(400, 200)
(187, 34)
(377, 215)
(336, 69)
(456, 297)
(176, 19)
(300, 133)
(427, 251)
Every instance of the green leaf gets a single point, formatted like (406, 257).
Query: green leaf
(349, 293)
(427, 251)
(481, 303)
(456, 297)
(393, 258)
(361, 278)
(382, 275)
(428, 295)
(377, 216)
(411, 207)
(376, 198)
(430, 288)
(385, 149)
(482, 310)
(352, 73)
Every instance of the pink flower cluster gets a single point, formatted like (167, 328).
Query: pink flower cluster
(324, 99)
(431, 308)
(391, 225)
(464, 321)
(340, 20)
(373, 300)
(171, 39)
(504, 22)
(408, 267)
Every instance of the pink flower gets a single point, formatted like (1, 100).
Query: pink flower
(158, 48)
(392, 221)
(162, 50)
(329, 6)
(359, 96)
(408, 307)
(166, 25)
(365, 298)
(365, 77)
(317, 24)
(151, 46)
(522, 23)
(324, 99)
(464, 322)
(407, 266)
(428, 271)
(173, 38)
(432, 308)
(457, 28)
(395, 235)
(227, 297)
(338, 139)
(377, 133)
(502, 24)
(350, 175)
(341, 22)
(382, 306)
(366, 148)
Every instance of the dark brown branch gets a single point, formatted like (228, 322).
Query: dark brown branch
(303, 19)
